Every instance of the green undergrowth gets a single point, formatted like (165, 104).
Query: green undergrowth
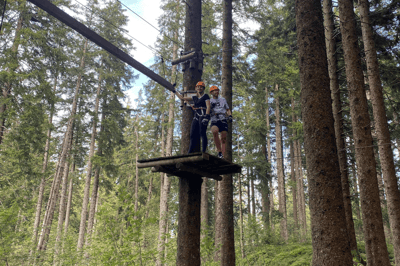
(274, 255)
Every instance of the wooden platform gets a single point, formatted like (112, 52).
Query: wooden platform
(194, 164)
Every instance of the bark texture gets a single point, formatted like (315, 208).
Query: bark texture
(375, 244)
(226, 188)
(337, 115)
(381, 128)
(188, 249)
(328, 226)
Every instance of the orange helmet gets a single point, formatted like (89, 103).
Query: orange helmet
(201, 83)
(213, 88)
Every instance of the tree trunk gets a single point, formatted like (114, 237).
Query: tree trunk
(69, 202)
(64, 154)
(6, 87)
(329, 234)
(382, 129)
(95, 190)
(136, 166)
(43, 180)
(293, 178)
(279, 167)
(165, 184)
(226, 187)
(267, 153)
(375, 244)
(253, 202)
(300, 190)
(86, 191)
(204, 207)
(241, 217)
(93, 205)
(383, 206)
(248, 195)
(356, 197)
(61, 213)
(217, 236)
(337, 115)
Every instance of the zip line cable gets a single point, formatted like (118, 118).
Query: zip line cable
(177, 43)
(2, 16)
(148, 47)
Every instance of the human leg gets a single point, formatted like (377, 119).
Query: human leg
(223, 141)
(203, 135)
(194, 134)
(217, 141)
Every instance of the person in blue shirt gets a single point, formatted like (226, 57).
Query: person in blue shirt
(220, 115)
(201, 108)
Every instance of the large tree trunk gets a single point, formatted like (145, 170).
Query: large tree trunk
(188, 243)
(226, 187)
(337, 115)
(86, 191)
(375, 244)
(329, 234)
(382, 129)
(279, 167)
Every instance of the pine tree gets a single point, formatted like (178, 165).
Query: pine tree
(330, 244)
(369, 192)
(381, 127)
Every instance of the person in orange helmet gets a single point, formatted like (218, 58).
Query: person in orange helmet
(201, 117)
(220, 116)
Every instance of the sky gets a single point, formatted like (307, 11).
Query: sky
(145, 33)
(145, 30)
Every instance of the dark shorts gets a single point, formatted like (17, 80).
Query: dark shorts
(221, 124)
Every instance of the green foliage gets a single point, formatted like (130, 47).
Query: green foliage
(274, 255)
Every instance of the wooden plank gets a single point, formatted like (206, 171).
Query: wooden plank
(100, 41)
(228, 169)
(170, 157)
(171, 161)
(189, 169)
(159, 168)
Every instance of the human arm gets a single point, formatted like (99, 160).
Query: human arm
(180, 96)
(229, 114)
(208, 106)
